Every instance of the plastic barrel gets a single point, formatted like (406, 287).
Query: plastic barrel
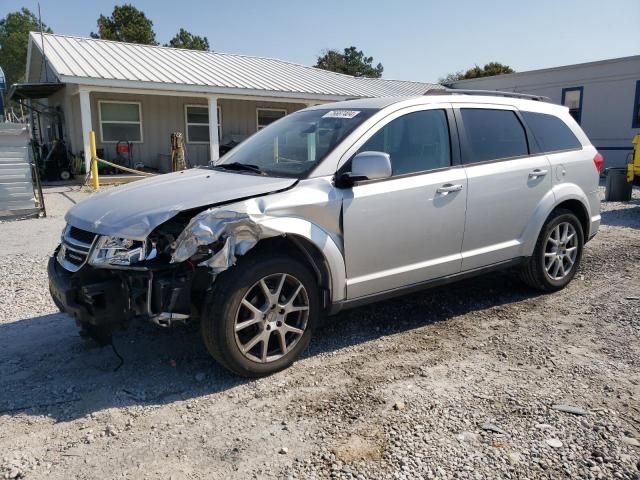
(618, 189)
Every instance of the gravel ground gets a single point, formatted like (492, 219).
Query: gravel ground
(481, 379)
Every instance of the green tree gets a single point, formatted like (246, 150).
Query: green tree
(352, 62)
(489, 70)
(126, 24)
(14, 39)
(185, 39)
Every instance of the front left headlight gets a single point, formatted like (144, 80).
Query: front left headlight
(122, 252)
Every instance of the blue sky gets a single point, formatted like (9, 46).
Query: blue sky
(414, 39)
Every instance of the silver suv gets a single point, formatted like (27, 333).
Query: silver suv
(332, 207)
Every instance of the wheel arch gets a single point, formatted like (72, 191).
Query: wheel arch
(305, 251)
(568, 196)
(579, 210)
(315, 247)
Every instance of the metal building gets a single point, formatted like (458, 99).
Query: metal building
(603, 96)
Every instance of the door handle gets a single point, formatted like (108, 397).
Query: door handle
(538, 172)
(448, 188)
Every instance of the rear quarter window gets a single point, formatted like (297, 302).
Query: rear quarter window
(551, 133)
(493, 135)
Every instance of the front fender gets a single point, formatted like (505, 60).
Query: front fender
(240, 227)
(322, 240)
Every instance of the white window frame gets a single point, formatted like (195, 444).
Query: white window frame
(262, 109)
(186, 122)
(139, 123)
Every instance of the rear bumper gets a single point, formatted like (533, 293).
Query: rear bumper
(594, 226)
(594, 213)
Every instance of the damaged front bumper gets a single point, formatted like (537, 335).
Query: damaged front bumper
(109, 299)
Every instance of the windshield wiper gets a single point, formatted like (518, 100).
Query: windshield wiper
(240, 166)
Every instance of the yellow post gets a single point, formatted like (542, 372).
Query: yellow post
(633, 169)
(95, 182)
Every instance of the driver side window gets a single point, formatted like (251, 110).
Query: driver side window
(416, 142)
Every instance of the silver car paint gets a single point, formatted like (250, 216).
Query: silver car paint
(402, 231)
(395, 232)
(311, 210)
(135, 209)
(501, 199)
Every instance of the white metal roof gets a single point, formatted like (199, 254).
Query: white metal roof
(88, 61)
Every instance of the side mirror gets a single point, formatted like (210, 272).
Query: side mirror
(368, 166)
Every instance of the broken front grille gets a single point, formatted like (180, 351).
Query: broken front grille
(75, 248)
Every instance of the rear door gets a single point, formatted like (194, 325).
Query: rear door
(507, 179)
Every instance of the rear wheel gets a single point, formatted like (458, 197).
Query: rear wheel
(261, 314)
(557, 254)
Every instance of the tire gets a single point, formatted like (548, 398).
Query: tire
(539, 270)
(224, 311)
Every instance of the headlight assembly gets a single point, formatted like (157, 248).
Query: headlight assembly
(113, 251)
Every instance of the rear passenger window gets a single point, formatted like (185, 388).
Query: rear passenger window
(415, 142)
(551, 133)
(493, 134)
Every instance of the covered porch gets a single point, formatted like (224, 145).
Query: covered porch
(145, 120)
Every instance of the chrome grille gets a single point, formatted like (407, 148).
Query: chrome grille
(75, 247)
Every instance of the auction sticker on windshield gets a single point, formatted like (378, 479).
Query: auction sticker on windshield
(341, 114)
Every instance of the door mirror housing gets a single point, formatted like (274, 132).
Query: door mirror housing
(368, 166)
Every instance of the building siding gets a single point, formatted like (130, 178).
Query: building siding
(162, 116)
(607, 103)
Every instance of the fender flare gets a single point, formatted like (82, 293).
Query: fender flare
(323, 242)
(554, 197)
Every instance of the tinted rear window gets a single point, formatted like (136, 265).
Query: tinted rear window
(493, 134)
(551, 133)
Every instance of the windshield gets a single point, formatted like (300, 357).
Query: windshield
(295, 144)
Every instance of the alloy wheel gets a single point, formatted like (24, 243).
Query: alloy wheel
(561, 251)
(272, 318)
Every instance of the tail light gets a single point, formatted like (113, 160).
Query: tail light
(598, 160)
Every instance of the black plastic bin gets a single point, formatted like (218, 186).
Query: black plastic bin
(618, 189)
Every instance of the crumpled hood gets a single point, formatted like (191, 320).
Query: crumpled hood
(135, 209)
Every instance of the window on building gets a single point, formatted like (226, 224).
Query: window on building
(572, 98)
(197, 120)
(120, 121)
(416, 142)
(493, 134)
(636, 107)
(265, 116)
(551, 133)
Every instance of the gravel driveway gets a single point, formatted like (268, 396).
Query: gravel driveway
(481, 379)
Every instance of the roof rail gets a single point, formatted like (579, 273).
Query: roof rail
(494, 93)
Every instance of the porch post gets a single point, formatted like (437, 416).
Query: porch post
(214, 141)
(85, 120)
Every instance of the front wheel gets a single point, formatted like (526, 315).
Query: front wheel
(557, 253)
(261, 314)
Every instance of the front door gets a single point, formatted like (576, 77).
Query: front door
(408, 228)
